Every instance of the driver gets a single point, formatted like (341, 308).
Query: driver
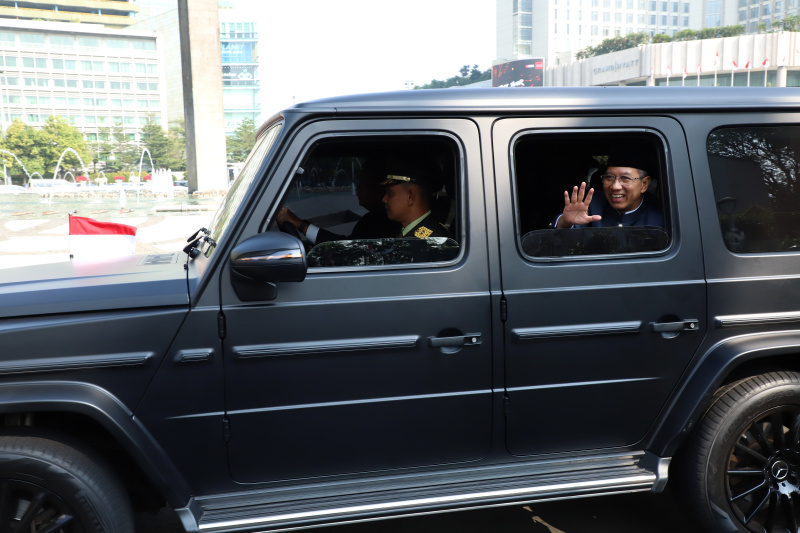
(373, 225)
(623, 202)
(410, 187)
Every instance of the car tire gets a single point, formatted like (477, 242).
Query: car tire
(46, 485)
(740, 469)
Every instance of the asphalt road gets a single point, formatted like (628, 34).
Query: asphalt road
(628, 513)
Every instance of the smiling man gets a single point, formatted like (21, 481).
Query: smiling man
(624, 202)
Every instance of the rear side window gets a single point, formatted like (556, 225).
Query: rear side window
(755, 172)
(626, 170)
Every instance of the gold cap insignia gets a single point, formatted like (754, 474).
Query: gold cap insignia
(423, 233)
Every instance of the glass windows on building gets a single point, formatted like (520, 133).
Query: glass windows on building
(72, 84)
(31, 38)
(62, 40)
(117, 43)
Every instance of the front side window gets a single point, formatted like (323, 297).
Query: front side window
(625, 212)
(755, 172)
(375, 201)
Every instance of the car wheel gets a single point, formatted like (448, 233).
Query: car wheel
(46, 485)
(741, 466)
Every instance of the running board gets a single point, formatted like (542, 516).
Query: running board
(306, 505)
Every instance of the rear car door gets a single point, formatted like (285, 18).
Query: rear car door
(600, 322)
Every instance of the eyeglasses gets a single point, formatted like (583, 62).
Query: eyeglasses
(609, 179)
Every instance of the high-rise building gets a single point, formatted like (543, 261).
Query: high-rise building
(557, 29)
(109, 13)
(241, 92)
(92, 76)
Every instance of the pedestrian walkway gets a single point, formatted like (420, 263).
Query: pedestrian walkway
(46, 240)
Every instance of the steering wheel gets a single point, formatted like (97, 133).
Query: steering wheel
(286, 227)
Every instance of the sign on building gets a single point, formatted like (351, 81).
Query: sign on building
(520, 73)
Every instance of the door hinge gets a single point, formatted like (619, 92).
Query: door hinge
(503, 309)
(226, 429)
(221, 327)
(506, 406)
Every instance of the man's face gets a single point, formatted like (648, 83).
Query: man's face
(397, 202)
(624, 197)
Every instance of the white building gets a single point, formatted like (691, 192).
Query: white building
(92, 76)
(557, 29)
(763, 60)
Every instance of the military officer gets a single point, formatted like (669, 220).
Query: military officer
(409, 194)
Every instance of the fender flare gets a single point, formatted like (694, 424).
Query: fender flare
(694, 395)
(101, 406)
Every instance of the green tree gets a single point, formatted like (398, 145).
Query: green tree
(22, 141)
(788, 23)
(163, 147)
(467, 75)
(178, 132)
(54, 138)
(118, 154)
(242, 141)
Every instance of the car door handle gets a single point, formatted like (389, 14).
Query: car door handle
(691, 324)
(470, 339)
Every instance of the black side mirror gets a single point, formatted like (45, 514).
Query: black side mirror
(257, 263)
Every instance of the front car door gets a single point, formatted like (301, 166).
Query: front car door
(381, 358)
(601, 322)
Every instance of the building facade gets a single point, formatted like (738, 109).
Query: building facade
(241, 91)
(557, 29)
(109, 13)
(762, 60)
(93, 77)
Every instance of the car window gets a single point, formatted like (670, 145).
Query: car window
(339, 201)
(755, 172)
(626, 172)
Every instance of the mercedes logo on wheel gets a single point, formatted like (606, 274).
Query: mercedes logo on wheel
(780, 470)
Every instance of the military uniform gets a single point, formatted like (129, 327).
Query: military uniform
(428, 227)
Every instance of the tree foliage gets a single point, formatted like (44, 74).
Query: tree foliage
(632, 40)
(165, 148)
(466, 76)
(39, 149)
(242, 141)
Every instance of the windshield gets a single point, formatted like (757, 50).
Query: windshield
(219, 224)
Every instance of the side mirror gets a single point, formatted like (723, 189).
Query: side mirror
(257, 263)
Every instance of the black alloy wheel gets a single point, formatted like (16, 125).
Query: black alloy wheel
(763, 475)
(739, 470)
(31, 508)
(49, 486)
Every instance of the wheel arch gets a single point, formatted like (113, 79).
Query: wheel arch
(727, 361)
(83, 401)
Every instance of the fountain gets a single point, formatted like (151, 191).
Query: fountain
(25, 170)
(141, 159)
(83, 166)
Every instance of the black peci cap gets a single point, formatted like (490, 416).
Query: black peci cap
(424, 173)
(632, 158)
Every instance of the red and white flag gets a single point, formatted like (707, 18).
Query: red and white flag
(90, 238)
(716, 57)
(699, 68)
(669, 71)
(685, 73)
(747, 65)
(765, 63)
(735, 66)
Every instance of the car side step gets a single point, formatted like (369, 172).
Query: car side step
(307, 505)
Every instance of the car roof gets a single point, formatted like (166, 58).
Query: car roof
(549, 99)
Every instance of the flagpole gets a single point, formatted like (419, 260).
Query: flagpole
(749, 66)
(699, 70)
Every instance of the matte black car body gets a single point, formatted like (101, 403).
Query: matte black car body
(252, 392)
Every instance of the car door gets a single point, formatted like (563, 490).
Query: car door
(362, 368)
(600, 322)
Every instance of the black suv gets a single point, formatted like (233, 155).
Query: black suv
(281, 375)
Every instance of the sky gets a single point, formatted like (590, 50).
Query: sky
(313, 49)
